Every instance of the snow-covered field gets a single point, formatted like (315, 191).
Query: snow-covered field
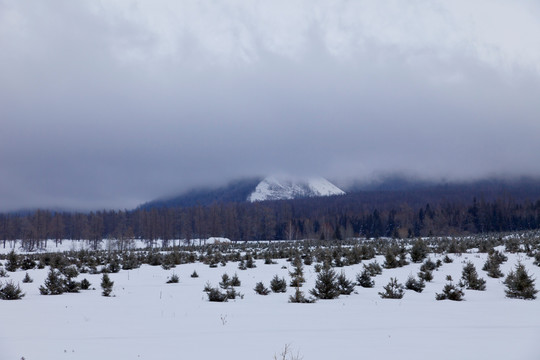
(149, 319)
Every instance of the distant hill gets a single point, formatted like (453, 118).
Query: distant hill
(387, 193)
(252, 189)
(275, 188)
(235, 191)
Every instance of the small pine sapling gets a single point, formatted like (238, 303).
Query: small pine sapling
(374, 268)
(537, 258)
(470, 279)
(194, 274)
(345, 286)
(225, 282)
(428, 265)
(326, 286)
(390, 261)
(447, 259)
(261, 289)
(215, 295)
(415, 285)
(235, 281)
(493, 268)
(233, 294)
(85, 284)
(27, 263)
(278, 285)
(297, 275)
(393, 290)
(54, 283)
(519, 284)
(242, 265)
(10, 291)
(250, 263)
(450, 292)
(426, 275)
(27, 278)
(70, 285)
(364, 279)
(419, 251)
(299, 297)
(106, 285)
(12, 263)
(174, 279)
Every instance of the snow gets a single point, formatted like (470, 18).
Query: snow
(276, 188)
(105, 244)
(149, 319)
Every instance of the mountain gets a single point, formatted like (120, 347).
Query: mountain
(235, 191)
(274, 188)
(252, 189)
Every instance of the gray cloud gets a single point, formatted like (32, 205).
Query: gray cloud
(111, 104)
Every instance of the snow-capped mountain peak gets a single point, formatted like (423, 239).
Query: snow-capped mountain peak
(274, 188)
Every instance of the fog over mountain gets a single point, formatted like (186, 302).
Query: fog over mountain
(111, 104)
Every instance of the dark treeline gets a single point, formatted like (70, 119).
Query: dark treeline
(336, 217)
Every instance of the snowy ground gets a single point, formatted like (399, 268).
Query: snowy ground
(149, 319)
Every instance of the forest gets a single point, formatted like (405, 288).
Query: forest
(363, 214)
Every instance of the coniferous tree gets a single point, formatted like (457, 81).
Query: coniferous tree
(27, 263)
(242, 265)
(364, 279)
(106, 285)
(374, 268)
(12, 263)
(393, 290)
(390, 261)
(235, 281)
(297, 275)
(419, 251)
(470, 279)
(326, 286)
(416, 285)
(250, 263)
(428, 265)
(450, 292)
(10, 291)
(225, 282)
(493, 268)
(70, 285)
(261, 289)
(299, 297)
(537, 258)
(85, 284)
(426, 275)
(173, 279)
(278, 285)
(215, 295)
(519, 284)
(345, 286)
(27, 278)
(54, 283)
(233, 294)
(194, 274)
(447, 259)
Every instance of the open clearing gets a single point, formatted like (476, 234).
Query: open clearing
(149, 319)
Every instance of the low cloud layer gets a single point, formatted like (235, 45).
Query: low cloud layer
(110, 104)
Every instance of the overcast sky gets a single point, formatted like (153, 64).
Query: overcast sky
(107, 104)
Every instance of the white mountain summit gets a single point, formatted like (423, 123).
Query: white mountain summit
(274, 188)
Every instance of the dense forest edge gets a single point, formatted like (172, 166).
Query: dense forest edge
(443, 210)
